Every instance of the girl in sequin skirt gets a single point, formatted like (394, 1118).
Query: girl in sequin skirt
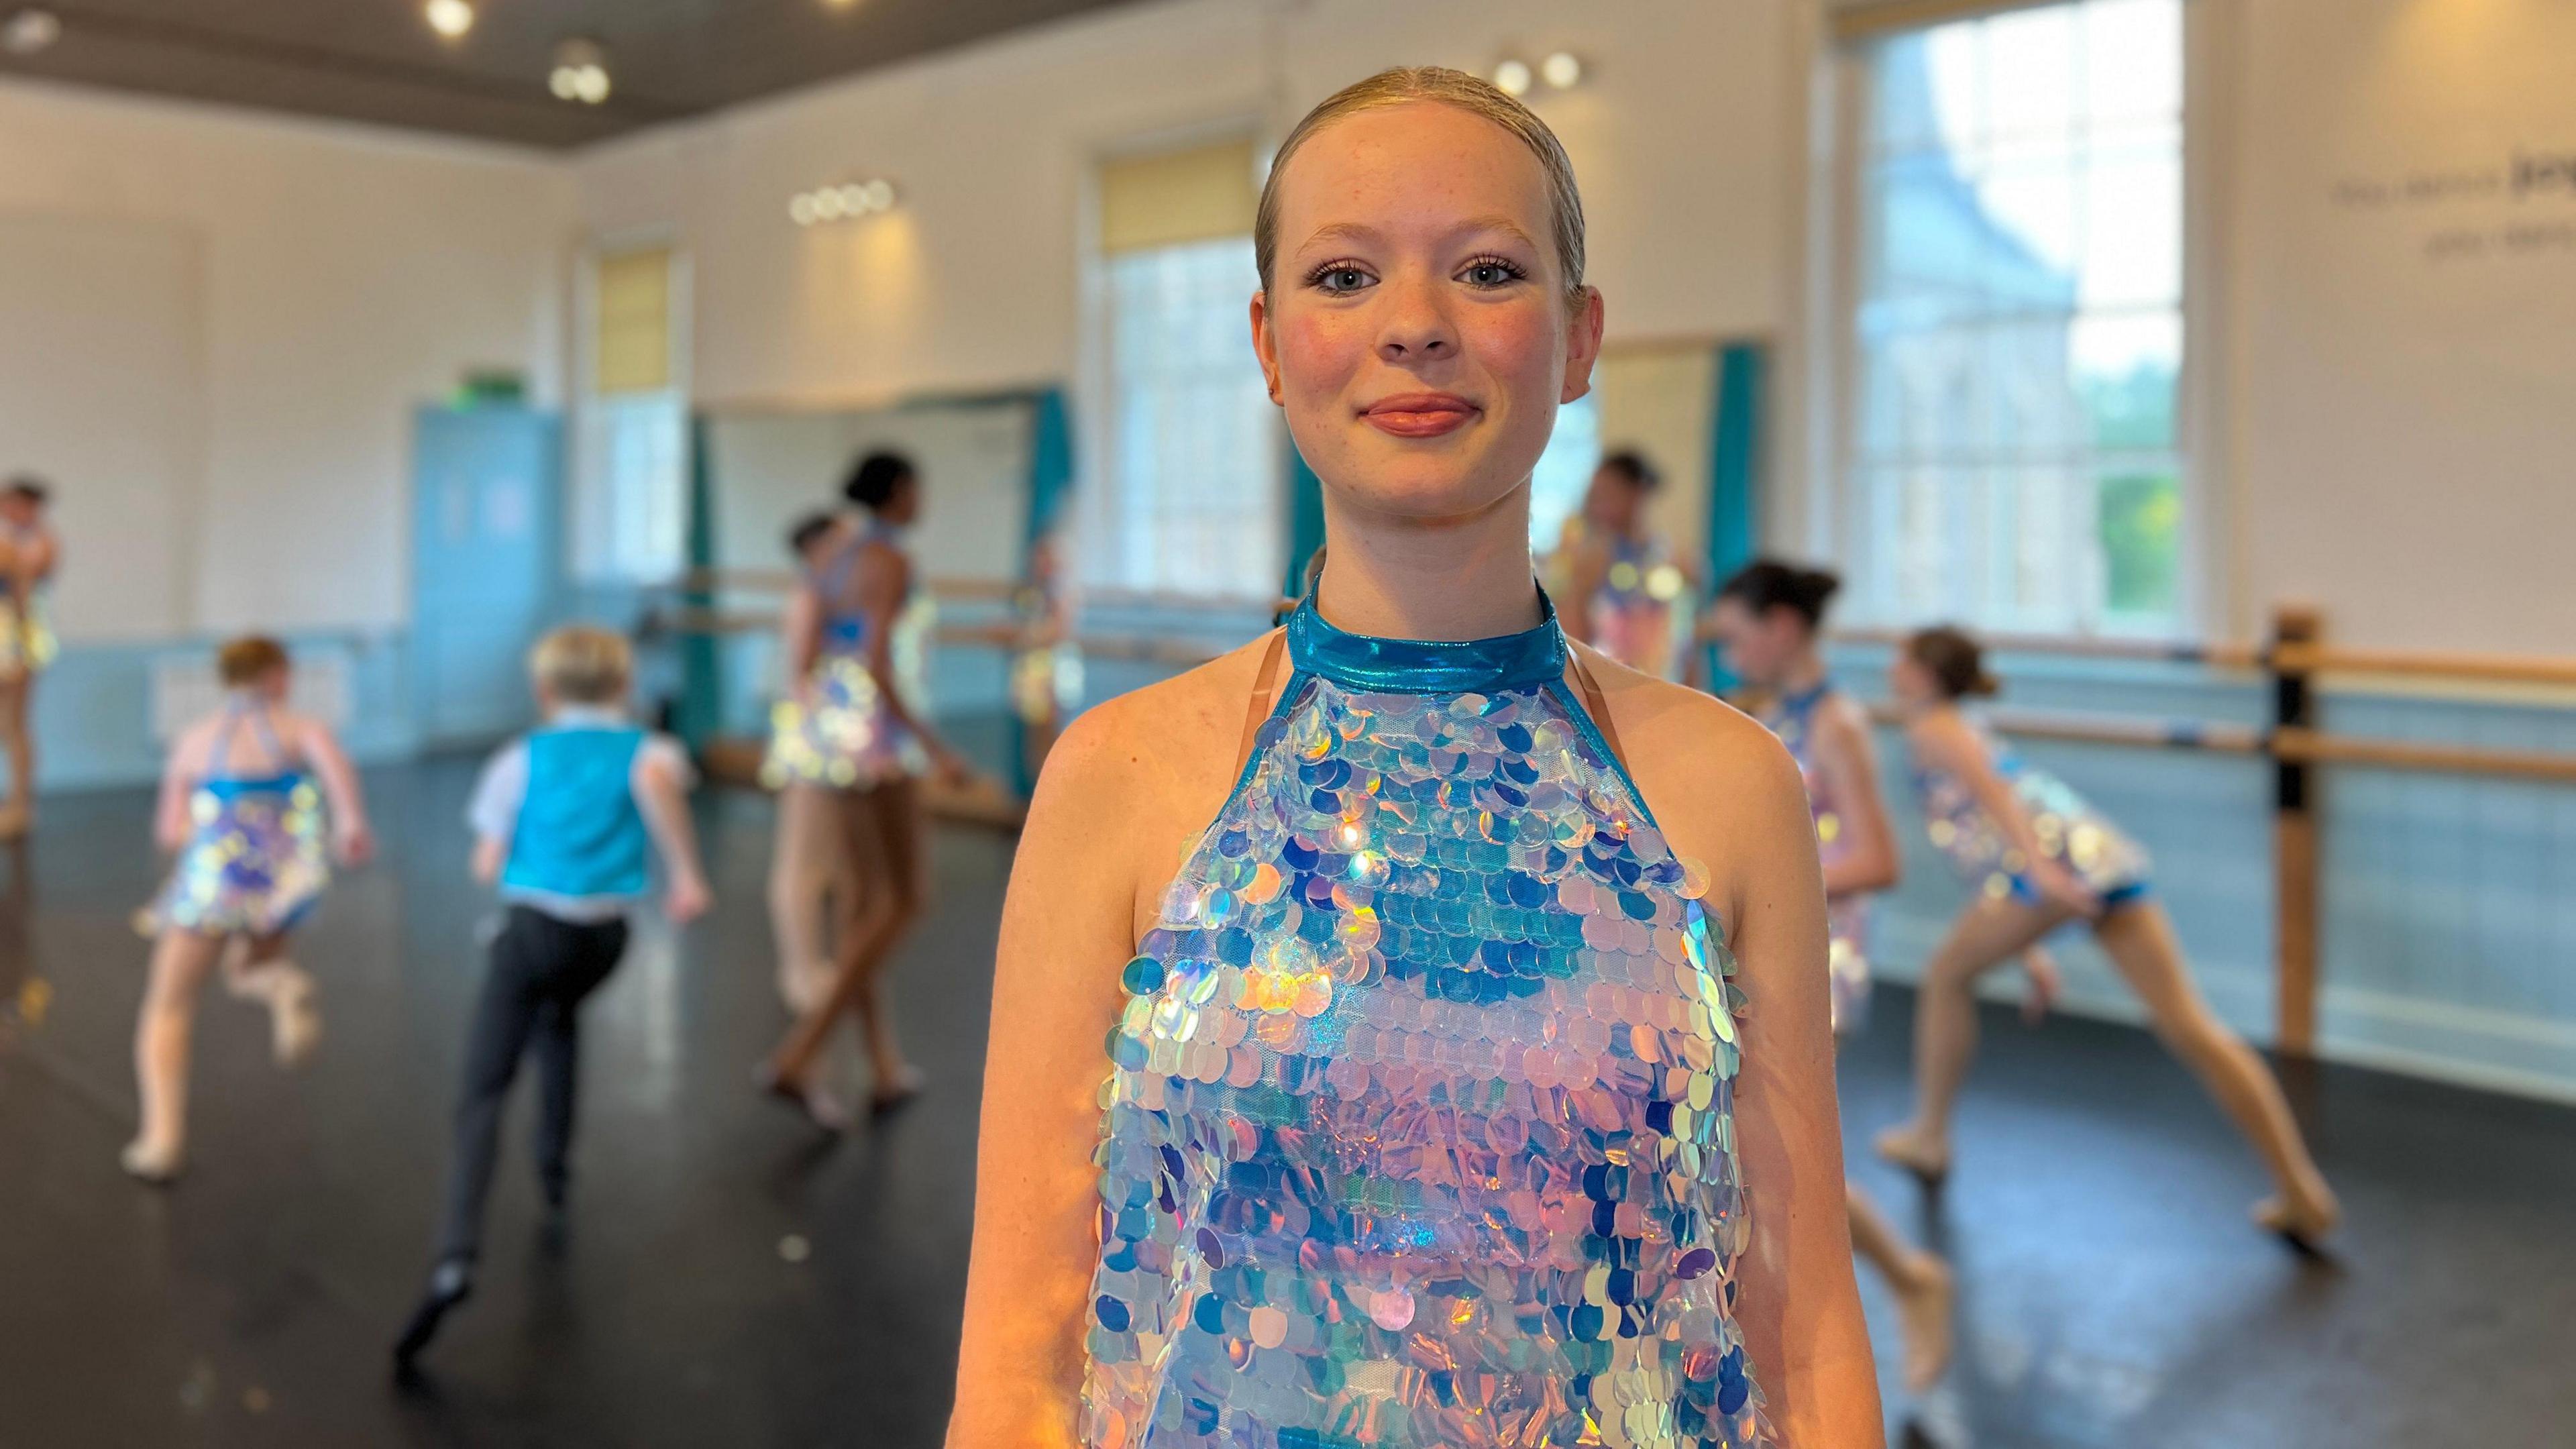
(2040, 856)
(28, 556)
(855, 736)
(808, 876)
(1627, 586)
(242, 804)
(1399, 1108)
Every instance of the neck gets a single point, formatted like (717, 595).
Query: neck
(1462, 577)
(1804, 673)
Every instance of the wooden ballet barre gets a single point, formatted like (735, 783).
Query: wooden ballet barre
(2105, 729)
(2310, 747)
(2488, 668)
(2217, 656)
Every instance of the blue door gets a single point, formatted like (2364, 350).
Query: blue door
(486, 531)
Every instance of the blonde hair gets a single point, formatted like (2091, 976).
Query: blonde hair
(248, 660)
(1449, 88)
(583, 664)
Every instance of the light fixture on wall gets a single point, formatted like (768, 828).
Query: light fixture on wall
(1562, 70)
(846, 201)
(581, 72)
(30, 31)
(450, 18)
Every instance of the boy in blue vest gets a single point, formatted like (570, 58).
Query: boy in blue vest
(565, 821)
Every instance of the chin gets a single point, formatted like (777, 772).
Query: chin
(1423, 479)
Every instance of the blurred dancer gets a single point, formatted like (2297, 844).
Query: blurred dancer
(1620, 583)
(2042, 857)
(855, 635)
(809, 876)
(1766, 619)
(239, 804)
(566, 822)
(28, 555)
(1046, 673)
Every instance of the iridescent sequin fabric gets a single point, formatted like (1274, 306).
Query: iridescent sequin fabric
(1792, 718)
(256, 861)
(838, 732)
(27, 642)
(1419, 1127)
(2070, 830)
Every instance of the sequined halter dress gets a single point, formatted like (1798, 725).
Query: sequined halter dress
(1419, 1128)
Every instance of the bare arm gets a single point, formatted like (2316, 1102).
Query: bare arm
(170, 819)
(800, 636)
(1067, 926)
(40, 557)
(340, 788)
(885, 581)
(1799, 1306)
(662, 794)
(1848, 760)
(1946, 741)
(491, 852)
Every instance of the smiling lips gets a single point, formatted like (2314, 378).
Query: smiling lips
(1420, 414)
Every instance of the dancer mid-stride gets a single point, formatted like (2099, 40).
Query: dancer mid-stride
(2042, 857)
(240, 806)
(28, 556)
(809, 877)
(853, 738)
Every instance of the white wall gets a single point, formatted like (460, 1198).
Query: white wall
(341, 276)
(2405, 361)
(1681, 141)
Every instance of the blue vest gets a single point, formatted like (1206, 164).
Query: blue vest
(579, 832)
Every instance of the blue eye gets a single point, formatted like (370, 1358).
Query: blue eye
(1491, 272)
(1339, 279)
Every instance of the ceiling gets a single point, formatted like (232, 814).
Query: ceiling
(379, 61)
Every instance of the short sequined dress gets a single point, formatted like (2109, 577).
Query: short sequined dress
(2069, 828)
(1419, 1128)
(1793, 718)
(837, 732)
(256, 858)
(27, 643)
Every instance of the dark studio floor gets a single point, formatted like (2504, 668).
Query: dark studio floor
(732, 1280)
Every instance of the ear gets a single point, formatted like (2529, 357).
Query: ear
(1582, 344)
(1265, 343)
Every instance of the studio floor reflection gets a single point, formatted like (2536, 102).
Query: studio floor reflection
(729, 1279)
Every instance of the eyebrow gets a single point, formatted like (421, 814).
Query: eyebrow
(1356, 232)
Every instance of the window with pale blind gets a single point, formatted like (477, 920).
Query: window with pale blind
(632, 503)
(1191, 498)
(2009, 446)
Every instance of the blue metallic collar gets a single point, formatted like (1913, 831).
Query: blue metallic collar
(1525, 660)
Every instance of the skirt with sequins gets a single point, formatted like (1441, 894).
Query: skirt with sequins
(27, 643)
(256, 863)
(1847, 965)
(839, 734)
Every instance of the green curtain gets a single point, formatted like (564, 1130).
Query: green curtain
(1738, 456)
(701, 709)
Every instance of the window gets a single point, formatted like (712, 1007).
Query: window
(2009, 445)
(1190, 497)
(631, 444)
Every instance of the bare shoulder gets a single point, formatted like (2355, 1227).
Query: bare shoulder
(1845, 721)
(1151, 767)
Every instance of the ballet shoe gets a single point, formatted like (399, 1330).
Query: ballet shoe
(159, 1166)
(298, 1028)
(1900, 1147)
(450, 1283)
(1923, 1310)
(811, 1102)
(896, 1088)
(2304, 1226)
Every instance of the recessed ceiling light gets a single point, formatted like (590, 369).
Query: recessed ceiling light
(800, 208)
(1561, 70)
(450, 18)
(29, 31)
(1512, 77)
(580, 73)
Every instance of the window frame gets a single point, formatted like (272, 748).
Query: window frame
(1838, 523)
(591, 510)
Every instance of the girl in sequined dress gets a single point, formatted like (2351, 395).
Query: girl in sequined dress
(2040, 857)
(1628, 584)
(242, 804)
(853, 731)
(28, 556)
(807, 875)
(1467, 1079)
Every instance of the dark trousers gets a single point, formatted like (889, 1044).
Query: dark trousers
(540, 970)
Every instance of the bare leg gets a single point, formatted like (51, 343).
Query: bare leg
(256, 969)
(805, 862)
(1987, 934)
(181, 961)
(882, 831)
(1921, 1282)
(2140, 940)
(21, 748)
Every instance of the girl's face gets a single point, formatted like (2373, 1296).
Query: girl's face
(1416, 328)
(275, 685)
(1911, 683)
(903, 505)
(1758, 647)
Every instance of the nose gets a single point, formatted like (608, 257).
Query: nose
(1416, 327)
